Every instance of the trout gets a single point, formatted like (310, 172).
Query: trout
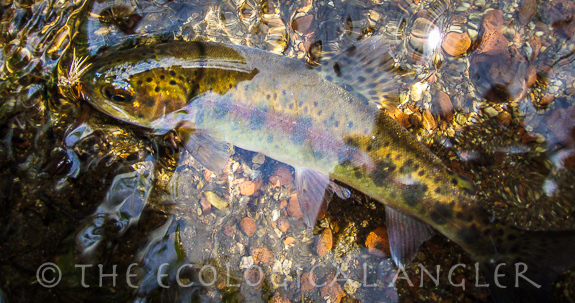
(327, 123)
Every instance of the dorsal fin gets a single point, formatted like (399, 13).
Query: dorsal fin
(366, 70)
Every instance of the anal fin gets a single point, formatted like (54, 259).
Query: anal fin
(206, 148)
(406, 234)
(311, 189)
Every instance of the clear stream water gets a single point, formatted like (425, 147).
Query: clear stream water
(488, 86)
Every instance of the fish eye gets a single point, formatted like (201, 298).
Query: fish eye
(118, 94)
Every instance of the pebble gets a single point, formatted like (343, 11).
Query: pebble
(281, 176)
(248, 226)
(228, 230)
(531, 75)
(246, 262)
(325, 243)
(283, 224)
(460, 119)
(504, 118)
(527, 10)
(492, 20)
(205, 205)
(308, 281)
(547, 99)
(293, 207)
(402, 119)
(428, 120)
(262, 256)
(456, 44)
(332, 291)
(289, 240)
(351, 286)
(279, 298)
(216, 200)
(490, 111)
(248, 188)
(445, 105)
(259, 158)
(377, 242)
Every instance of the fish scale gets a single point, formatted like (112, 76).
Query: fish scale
(328, 125)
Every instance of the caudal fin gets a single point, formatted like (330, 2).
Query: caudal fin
(527, 264)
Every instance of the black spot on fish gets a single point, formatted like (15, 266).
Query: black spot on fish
(372, 85)
(315, 103)
(148, 79)
(230, 86)
(291, 105)
(329, 78)
(386, 143)
(454, 181)
(337, 69)
(347, 78)
(372, 92)
(275, 96)
(195, 72)
(172, 82)
(469, 235)
(141, 115)
(441, 214)
(153, 57)
(301, 130)
(421, 173)
(381, 173)
(157, 89)
(172, 73)
(336, 123)
(438, 190)
(162, 77)
(268, 96)
(351, 50)
(150, 102)
(140, 82)
(361, 79)
(413, 194)
(320, 112)
(369, 70)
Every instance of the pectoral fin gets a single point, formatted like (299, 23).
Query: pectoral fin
(311, 186)
(406, 234)
(206, 148)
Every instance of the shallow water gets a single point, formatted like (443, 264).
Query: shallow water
(93, 195)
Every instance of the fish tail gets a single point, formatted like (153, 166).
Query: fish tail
(527, 263)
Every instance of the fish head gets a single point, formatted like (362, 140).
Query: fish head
(135, 88)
